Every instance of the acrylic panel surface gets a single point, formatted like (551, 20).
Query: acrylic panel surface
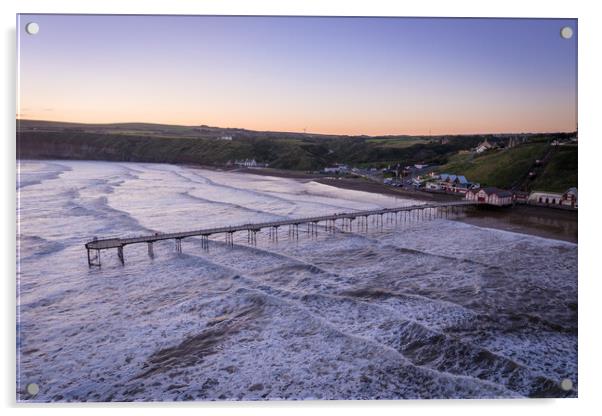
(430, 165)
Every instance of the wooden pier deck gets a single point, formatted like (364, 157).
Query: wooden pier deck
(96, 245)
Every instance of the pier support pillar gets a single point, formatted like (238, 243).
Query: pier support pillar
(178, 245)
(93, 257)
(120, 255)
(151, 252)
(205, 242)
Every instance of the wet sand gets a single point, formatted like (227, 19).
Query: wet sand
(526, 219)
(281, 173)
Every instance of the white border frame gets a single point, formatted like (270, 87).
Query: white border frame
(590, 142)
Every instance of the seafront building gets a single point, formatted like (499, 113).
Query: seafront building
(447, 182)
(566, 199)
(501, 197)
(490, 196)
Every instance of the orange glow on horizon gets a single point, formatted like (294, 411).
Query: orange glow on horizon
(419, 129)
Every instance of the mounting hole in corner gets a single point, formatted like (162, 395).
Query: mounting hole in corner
(32, 389)
(32, 28)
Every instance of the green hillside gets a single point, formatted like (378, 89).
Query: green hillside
(560, 173)
(509, 168)
(502, 167)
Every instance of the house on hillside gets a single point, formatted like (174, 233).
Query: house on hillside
(490, 196)
(484, 146)
(569, 198)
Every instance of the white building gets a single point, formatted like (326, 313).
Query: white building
(484, 146)
(334, 169)
(490, 196)
(338, 168)
(248, 163)
(432, 186)
(545, 198)
(567, 199)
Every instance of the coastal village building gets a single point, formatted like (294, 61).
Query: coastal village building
(545, 198)
(250, 163)
(433, 186)
(453, 183)
(490, 196)
(484, 146)
(567, 199)
(447, 182)
(340, 168)
(520, 197)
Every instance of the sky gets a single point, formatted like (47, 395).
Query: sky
(372, 76)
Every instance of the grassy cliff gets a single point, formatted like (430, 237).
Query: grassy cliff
(510, 168)
(560, 173)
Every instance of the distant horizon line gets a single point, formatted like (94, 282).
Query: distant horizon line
(292, 132)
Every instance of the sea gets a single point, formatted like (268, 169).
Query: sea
(417, 309)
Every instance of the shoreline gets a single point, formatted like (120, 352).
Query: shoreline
(522, 219)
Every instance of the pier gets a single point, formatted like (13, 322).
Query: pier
(331, 223)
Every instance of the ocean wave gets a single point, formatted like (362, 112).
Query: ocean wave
(37, 172)
(33, 245)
